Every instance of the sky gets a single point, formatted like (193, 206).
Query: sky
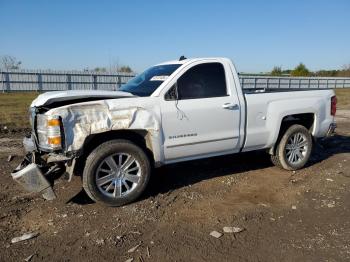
(256, 34)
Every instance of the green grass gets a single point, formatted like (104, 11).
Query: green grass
(14, 107)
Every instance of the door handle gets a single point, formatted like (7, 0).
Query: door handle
(230, 106)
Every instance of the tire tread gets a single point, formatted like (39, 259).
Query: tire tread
(110, 145)
(278, 158)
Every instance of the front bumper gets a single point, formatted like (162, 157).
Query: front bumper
(32, 179)
(29, 174)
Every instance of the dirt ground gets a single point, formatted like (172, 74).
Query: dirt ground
(286, 216)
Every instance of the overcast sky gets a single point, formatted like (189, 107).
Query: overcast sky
(256, 34)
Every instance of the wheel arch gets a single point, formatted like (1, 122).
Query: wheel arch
(308, 120)
(140, 137)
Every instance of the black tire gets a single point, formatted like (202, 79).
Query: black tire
(98, 157)
(282, 159)
(275, 160)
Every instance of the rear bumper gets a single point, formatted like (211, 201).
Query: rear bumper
(29, 174)
(331, 129)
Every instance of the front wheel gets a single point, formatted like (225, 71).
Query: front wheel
(294, 148)
(116, 173)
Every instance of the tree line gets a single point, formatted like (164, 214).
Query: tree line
(123, 69)
(302, 70)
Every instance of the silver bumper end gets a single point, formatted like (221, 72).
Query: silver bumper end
(29, 175)
(331, 129)
(32, 180)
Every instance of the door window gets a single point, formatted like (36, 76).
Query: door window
(201, 81)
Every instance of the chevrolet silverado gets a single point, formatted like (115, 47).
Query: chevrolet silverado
(175, 111)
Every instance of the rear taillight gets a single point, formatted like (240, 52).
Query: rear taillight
(333, 105)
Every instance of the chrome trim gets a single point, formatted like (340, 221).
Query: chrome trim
(297, 148)
(202, 142)
(30, 177)
(118, 175)
(331, 129)
(32, 116)
(29, 144)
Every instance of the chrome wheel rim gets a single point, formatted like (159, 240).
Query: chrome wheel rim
(296, 148)
(118, 175)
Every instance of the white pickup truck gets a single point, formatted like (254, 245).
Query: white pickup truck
(174, 111)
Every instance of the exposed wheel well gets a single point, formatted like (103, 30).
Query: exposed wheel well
(307, 120)
(139, 137)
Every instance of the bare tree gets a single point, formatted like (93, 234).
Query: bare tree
(8, 62)
(114, 64)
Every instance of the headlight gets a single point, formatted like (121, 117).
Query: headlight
(49, 132)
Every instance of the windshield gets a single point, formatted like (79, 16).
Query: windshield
(146, 83)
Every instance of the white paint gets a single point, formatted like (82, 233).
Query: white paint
(58, 96)
(158, 78)
(218, 130)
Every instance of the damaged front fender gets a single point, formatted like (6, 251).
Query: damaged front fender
(85, 119)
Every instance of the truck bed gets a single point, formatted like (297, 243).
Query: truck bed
(264, 84)
(266, 110)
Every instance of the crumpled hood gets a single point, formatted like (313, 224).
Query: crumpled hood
(76, 95)
(82, 119)
(97, 112)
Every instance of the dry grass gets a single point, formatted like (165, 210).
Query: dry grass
(14, 107)
(343, 97)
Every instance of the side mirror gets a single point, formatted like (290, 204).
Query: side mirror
(172, 94)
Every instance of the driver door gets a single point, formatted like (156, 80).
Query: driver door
(199, 116)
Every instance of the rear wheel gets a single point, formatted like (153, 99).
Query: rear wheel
(116, 173)
(294, 148)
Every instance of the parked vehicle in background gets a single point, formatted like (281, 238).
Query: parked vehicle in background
(173, 112)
